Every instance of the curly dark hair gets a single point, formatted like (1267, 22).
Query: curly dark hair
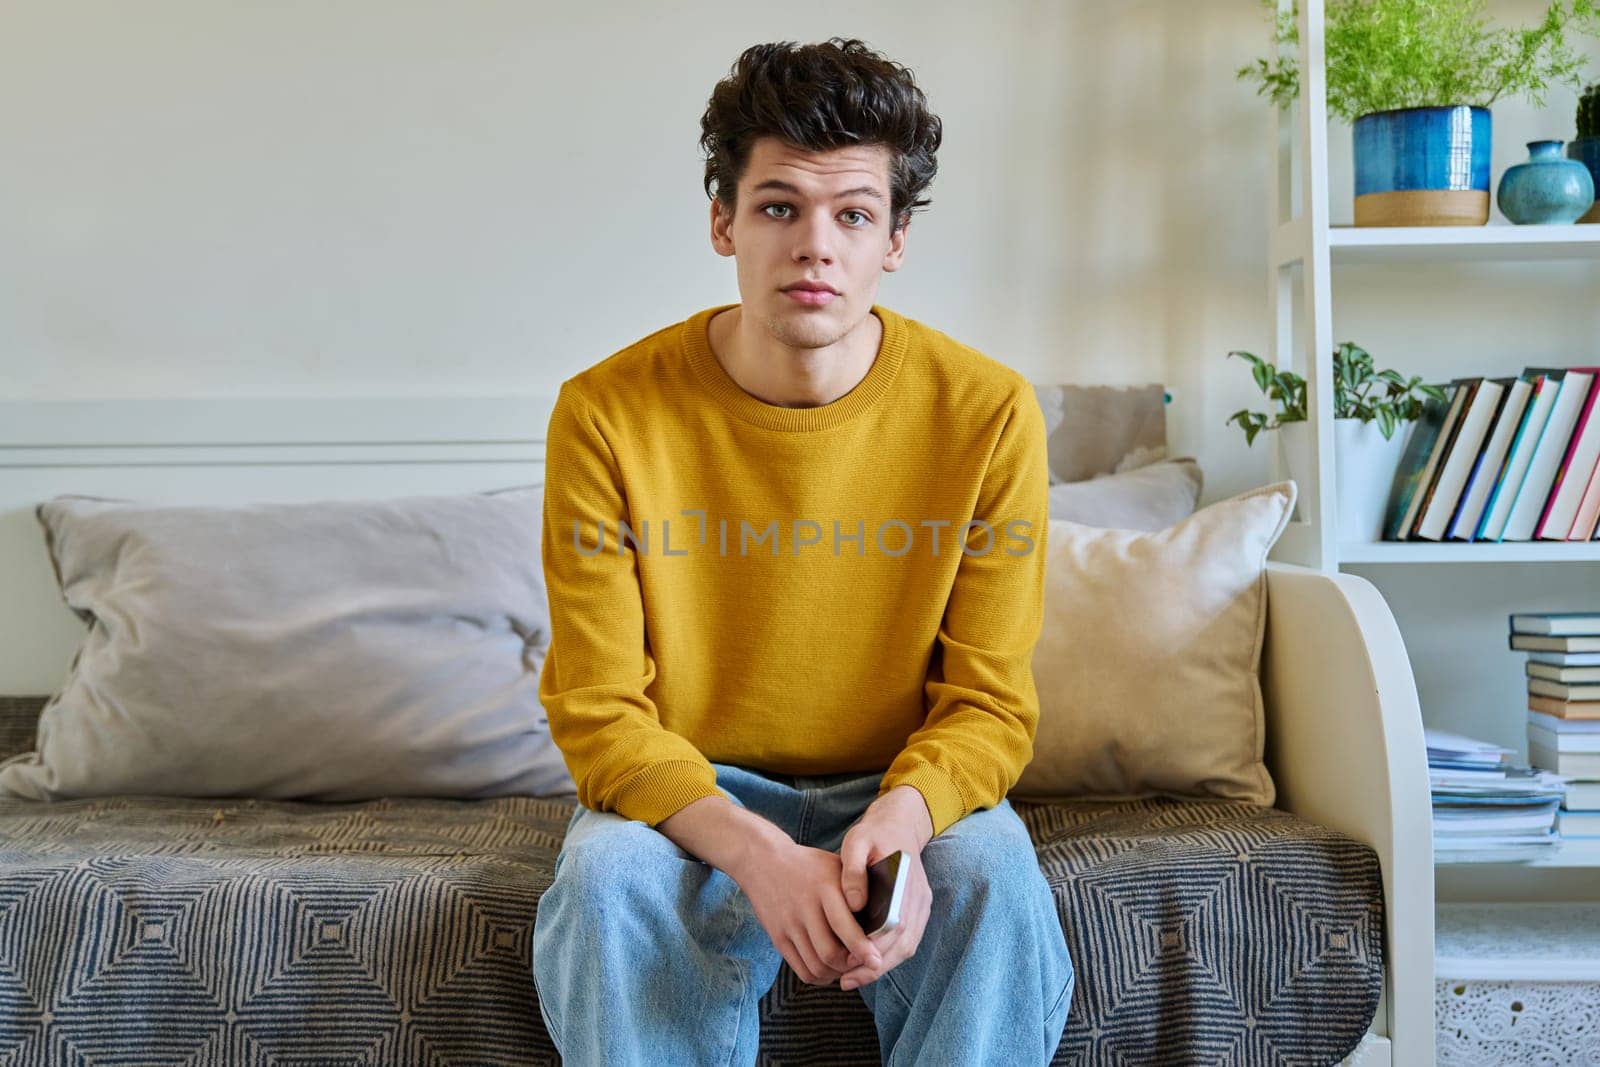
(819, 97)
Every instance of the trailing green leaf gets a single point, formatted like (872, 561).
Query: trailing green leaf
(1398, 401)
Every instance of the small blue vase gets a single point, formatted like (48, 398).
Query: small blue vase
(1547, 190)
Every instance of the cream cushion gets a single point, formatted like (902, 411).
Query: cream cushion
(1147, 662)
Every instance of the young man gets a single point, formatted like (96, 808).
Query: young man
(795, 557)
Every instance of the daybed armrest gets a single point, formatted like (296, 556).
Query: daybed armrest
(1345, 748)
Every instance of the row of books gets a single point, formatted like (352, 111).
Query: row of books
(1503, 459)
(1563, 670)
(1485, 807)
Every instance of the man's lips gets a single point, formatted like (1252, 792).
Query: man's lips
(811, 297)
(811, 294)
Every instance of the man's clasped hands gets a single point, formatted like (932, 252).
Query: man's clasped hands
(804, 897)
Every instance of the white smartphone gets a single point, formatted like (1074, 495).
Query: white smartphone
(886, 888)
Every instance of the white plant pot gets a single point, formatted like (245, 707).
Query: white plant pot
(1365, 466)
(1364, 469)
(1294, 450)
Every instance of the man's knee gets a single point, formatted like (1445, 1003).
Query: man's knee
(618, 859)
(987, 853)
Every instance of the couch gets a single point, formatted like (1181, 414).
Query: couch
(147, 929)
(144, 929)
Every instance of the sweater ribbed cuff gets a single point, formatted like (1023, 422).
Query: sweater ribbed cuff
(663, 789)
(939, 792)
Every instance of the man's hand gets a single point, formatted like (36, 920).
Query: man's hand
(797, 895)
(896, 821)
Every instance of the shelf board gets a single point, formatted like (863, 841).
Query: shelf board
(1571, 852)
(1416, 244)
(1468, 552)
(1521, 942)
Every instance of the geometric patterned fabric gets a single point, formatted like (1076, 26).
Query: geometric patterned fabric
(154, 930)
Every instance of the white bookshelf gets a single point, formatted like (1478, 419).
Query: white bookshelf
(1308, 260)
(1460, 244)
(1576, 852)
(1464, 552)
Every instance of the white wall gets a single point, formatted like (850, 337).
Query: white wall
(342, 198)
(355, 197)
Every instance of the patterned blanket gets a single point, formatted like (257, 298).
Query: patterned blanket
(154, 930)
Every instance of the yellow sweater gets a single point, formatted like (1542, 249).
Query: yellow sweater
(799, 590)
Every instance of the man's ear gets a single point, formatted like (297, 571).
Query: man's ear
(721, 236)
(895, 256)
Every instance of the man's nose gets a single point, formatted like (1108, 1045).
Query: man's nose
(815, 239)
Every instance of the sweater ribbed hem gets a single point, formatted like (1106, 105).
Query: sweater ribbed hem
(664, 789)
(715, 379)
(939, 792)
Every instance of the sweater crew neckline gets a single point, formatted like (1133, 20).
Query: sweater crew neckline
(867, 392)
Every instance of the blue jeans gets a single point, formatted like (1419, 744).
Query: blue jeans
(643, 954)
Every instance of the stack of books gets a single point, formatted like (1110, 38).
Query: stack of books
(1483, 806)
(1564, 707)
(1503, 459)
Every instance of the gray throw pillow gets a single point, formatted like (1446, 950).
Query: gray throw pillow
(1150, 498)
(1102, 429)
(336, 650)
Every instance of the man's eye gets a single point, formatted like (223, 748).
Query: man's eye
(861, 214)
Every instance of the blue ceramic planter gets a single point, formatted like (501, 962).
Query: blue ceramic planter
(1423, 166)
(1547, 190)
(1586, 150)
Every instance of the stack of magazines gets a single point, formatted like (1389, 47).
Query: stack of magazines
(1503, 459)
(1484, 807)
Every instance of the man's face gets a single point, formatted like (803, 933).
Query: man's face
(812, 217)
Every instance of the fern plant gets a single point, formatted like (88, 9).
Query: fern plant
(1387, 54)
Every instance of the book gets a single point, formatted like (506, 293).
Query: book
(1588, 517)
(1450, 469)
(1535, 491)
(1567, 764)
(1541, 818)
(1564, 709)
(1416, 464)
(1566, 659)
(1564, 726)
(1579, 824)
(1560, 623)
(1483, 404)
(1500, 848)
(1450, 842)
(1582, 796)
(1562, 691)
(1563, 674)
(1563, 743)
(1572, 475)
(1491, 461)
(1542, 643)
(1523, 444)
(1439, 776)
(1445, 745)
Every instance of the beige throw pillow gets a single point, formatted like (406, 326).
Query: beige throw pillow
(335, 650)
(1147, 663)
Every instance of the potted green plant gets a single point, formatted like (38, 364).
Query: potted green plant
(1585, 148)
(1373, 413)
(1415, 79)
